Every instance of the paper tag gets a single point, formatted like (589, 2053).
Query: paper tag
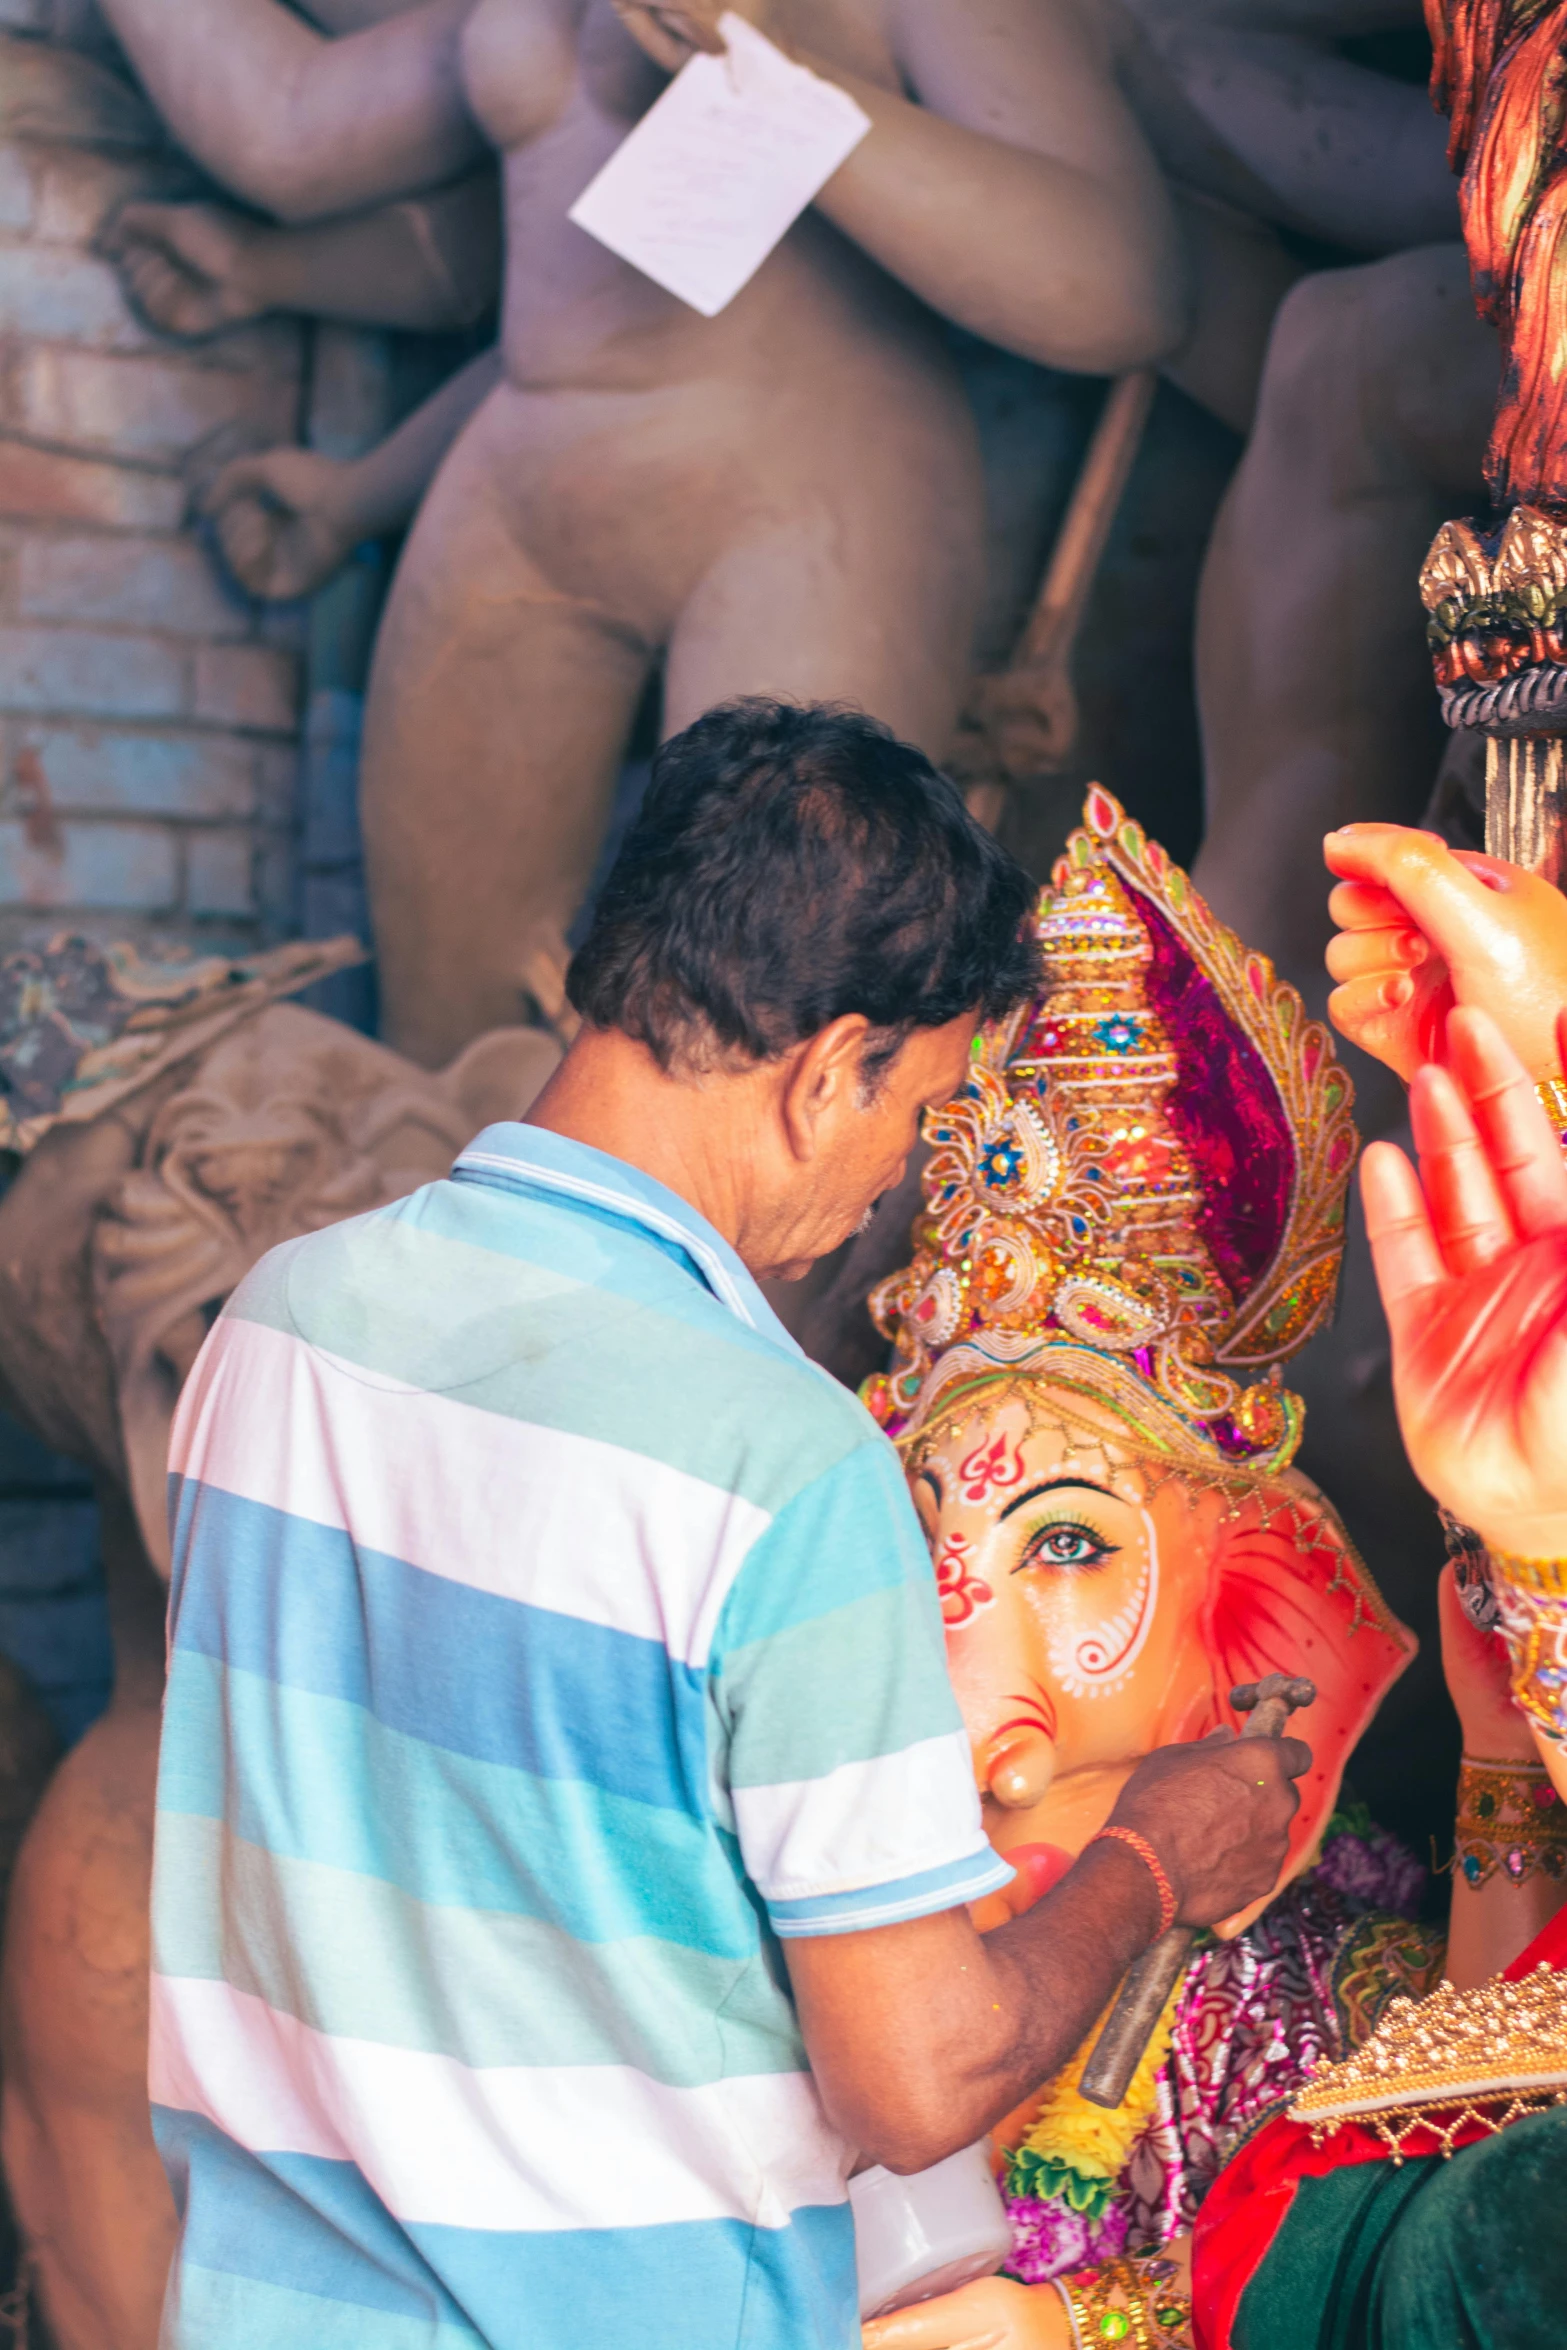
(720, 168)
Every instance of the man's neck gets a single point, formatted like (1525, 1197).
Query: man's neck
(610, 1093)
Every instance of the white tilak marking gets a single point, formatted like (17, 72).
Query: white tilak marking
(1101, 1664)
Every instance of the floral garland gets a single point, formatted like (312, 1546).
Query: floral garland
(1244, 2025)
(1074, 2152)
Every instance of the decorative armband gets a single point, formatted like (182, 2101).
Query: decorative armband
(1509, 1819)
(1133, 2301)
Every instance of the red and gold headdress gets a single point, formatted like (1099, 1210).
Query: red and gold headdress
(1149, 1162)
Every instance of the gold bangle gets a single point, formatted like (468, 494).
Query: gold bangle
(1551, 1093)
(1076, 2310)
(1509, 1818)
(1169, 2308)
(1113, 2303)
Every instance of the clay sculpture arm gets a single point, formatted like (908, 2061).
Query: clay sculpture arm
(298, 124)
(1012, 189)
(429, 264)
(1022, 146)
(289, 518)
(1250, 100)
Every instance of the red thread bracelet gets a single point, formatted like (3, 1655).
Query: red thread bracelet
(1168, 1905)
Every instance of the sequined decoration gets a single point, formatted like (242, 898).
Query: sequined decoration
(1531, 1604)
(1510, 1821)
(1148, 1161)
(1435, 2066)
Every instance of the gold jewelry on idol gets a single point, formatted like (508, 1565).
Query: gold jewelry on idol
(1130, 2301)
(1531, 1606)
(1455, 2058)
(1511, 1819)
(1146, 1167)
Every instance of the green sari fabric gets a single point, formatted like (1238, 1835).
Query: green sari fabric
(1464, 2254)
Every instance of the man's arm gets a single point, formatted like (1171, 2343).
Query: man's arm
(297, 124)
(922, 2035)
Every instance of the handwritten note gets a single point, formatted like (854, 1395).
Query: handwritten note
(720, 168)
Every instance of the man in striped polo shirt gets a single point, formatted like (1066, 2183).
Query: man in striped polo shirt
(564, 1820)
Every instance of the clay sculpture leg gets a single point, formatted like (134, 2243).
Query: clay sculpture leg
(89, 2190)
(499, 709)
(1313, 678)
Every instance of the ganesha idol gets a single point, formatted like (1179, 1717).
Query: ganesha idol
(1134, 1218)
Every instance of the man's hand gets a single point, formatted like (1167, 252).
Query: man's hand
(285, 520)
(922, 2036)
(1471, 1260)
(1423, 928)
(1218, 1815)
(995, 2314)
(183, 266)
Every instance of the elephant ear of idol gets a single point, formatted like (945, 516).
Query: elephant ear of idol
(185, 1136)
(1150, 1161)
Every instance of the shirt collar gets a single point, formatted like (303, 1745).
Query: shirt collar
(545, 1161)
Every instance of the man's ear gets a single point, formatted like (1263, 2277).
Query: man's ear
(821, 1079)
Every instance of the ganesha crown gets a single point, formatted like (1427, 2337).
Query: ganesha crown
(1149, 1159)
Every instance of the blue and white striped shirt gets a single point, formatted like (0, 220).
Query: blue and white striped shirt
(547, 1638)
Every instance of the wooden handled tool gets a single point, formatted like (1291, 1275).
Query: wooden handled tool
(1150, 1980)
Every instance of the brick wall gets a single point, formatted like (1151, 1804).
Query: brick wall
(149, 713)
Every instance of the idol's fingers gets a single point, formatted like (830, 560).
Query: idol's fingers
(1408, 1263)
(1519, 1141)
(1377, 1013)
(1470, 1218)
(1358, 953)
(1364, 905)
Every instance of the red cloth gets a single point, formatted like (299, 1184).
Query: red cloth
(1250, 2199)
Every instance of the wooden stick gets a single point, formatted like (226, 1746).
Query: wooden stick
(1141, 1999)
(1526, 803)
(983, 760)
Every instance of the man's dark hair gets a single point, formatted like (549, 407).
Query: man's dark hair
(790, 865)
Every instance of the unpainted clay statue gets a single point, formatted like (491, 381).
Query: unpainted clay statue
(120, 1238)
(1256, 118)
(784, 499)
(1135, 1206)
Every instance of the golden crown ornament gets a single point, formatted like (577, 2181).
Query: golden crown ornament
(1149, 1160)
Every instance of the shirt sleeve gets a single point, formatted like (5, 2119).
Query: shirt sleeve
(845, 1758)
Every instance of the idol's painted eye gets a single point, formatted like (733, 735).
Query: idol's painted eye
(1068, 1546)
